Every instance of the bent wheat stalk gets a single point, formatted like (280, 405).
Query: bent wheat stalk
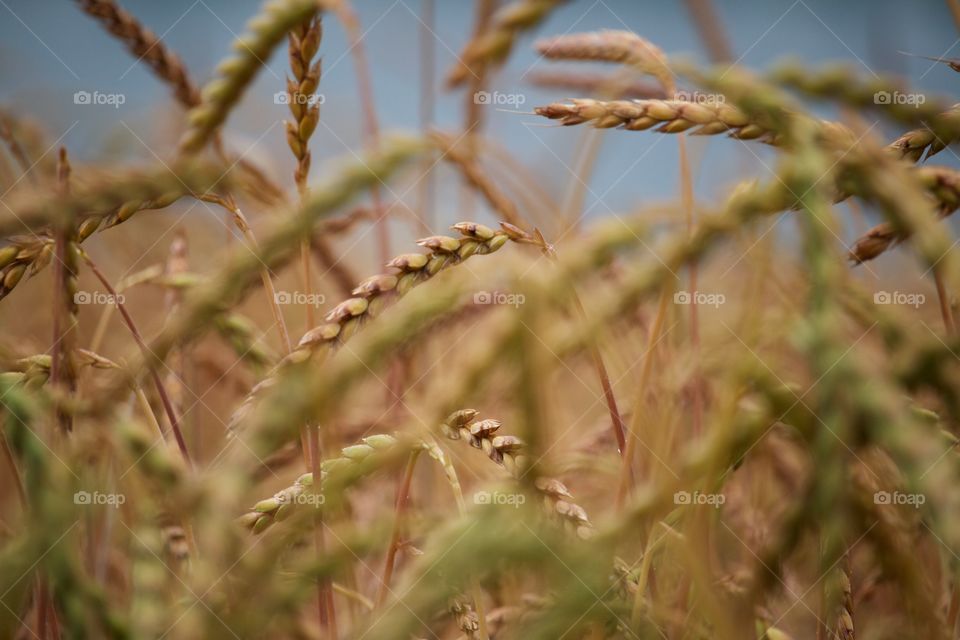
(221, 94)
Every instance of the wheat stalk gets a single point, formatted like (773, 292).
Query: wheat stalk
(492, 46)
(65, 317)
(220, 95)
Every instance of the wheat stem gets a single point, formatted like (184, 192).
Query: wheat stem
(138, 338)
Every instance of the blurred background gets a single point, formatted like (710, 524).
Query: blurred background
(49, 50)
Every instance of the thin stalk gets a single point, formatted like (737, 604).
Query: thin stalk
(138, 338)
(371, 126)
(686, 195)
(954, 6)
(241, 222)
(943, 297)
(640, 400)
(428, 80)
(450, 474)
(400, 507)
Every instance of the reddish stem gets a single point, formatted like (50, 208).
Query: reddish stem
(158, 383)
(400, 506)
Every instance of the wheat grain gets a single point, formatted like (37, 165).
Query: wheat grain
(219, 96)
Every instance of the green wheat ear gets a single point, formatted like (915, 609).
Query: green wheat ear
(235, 73)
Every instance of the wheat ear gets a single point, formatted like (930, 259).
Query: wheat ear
(221, 94)
(105, 195)
(408, 270)
(492, 46)
(28, 255)
(943, 185)
(675, 116)
(508, 452)
(281, 504)
(624, 47)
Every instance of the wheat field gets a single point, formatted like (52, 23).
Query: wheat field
(414, 384)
